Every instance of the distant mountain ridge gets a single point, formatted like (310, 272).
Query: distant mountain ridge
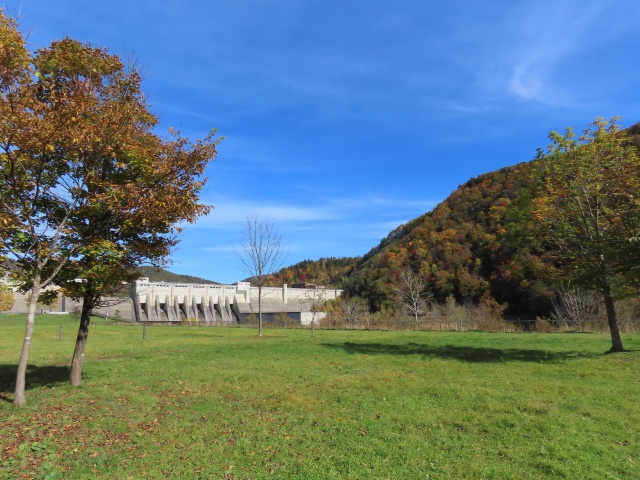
(161, 275)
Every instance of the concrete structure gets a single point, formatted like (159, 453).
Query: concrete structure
(207, 304)
(121, 308)
(204, 304)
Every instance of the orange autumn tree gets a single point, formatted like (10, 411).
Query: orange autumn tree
(134, 225)
(89, 190)
(34, 209)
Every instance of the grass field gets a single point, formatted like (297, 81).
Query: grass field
(222, 403)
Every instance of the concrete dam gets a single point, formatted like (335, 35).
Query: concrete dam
(208, 304)
(195, 303)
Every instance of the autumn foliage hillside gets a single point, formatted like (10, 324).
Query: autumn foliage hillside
(470, 246)
(329, 272)
(477, 245)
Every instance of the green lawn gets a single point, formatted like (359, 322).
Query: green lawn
(222, 403)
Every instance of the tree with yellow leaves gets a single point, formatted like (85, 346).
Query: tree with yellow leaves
(589, 208)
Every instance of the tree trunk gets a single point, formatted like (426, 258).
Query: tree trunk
(19, 397)
(81, 340)
(616, 341)
(259, 310)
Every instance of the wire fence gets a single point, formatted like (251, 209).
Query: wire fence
(441, 325)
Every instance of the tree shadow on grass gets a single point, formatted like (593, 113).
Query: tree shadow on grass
(462, 353)
(37, 376)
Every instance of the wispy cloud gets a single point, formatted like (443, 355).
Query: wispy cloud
(232, 214)
(376, 205)
(316, 211)
(195, 113)
(549, 33)
(219, 249)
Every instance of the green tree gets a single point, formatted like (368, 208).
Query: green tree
(589, 208)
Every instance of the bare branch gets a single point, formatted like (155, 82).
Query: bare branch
(411, 292)
(261, 253)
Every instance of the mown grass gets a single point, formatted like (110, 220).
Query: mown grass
(223, 403)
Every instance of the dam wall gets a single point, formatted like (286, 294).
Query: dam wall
(195, 303)
(204, 303)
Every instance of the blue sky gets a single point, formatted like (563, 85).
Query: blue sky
(344, 119)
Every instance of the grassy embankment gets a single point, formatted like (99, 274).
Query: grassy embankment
(223, 403)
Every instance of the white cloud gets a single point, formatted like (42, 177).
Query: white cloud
(329, 216)
(524, 82)
(232, 214)
(546, 34)
(219, 249)
(169, 108)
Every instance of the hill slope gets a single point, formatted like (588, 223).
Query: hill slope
(160, 275)
(472, 245)
(330, 272)
(466, 247)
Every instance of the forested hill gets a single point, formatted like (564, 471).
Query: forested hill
(466, 248)
(329, 272)
(160, 275)
(463, 247)
(472, 245)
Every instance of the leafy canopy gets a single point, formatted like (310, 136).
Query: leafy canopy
(589, 205)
